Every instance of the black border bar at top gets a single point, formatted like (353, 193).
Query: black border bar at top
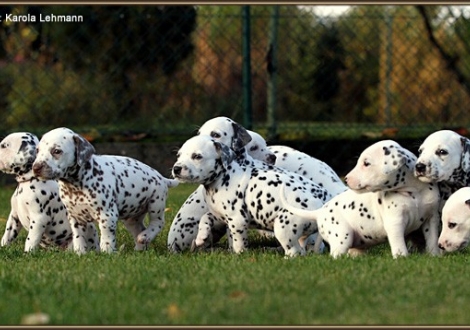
(245, 2)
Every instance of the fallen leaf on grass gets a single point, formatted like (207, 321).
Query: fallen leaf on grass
(35, 319)
(173, 311)
(237, 295)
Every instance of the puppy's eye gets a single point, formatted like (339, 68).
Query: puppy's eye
(420, 151)
(254, 148)
(196, 156)
(451, 225)
(442, 152)
(4, 145)
(366, 163)
(215, 135)
(56, 152)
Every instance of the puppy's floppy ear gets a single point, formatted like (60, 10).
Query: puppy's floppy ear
(394, 159)
(241, 137)
(226, 154)
(83, 149)
(28, 146)
(465, 158)
(31, 140)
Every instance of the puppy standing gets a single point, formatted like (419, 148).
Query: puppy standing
(103, 188)
(250, 149)
(35, 204)
(246, 144)
(246, 196)
(385, 202)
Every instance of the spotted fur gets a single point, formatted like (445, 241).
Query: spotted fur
(309, 167)
(103, 188)
(444, 157)
(385, 202)
(245, 196)
(250, 150)
(455, 234)
(35, 203)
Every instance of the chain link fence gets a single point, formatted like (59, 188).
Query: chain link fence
(296, 74)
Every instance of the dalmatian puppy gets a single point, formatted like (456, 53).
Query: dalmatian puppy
(444, 157)
(258, 149)
(35, 203)
(102, 188)
(310, 167)
(246, 196)
(385, 202)
(250, 149)
(455, 234)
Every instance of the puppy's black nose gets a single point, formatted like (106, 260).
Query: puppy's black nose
(177, 170)
(420, 167)
(440, 246)
(271, 159)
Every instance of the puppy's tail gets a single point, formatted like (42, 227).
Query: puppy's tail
(303, 213)
(171, 182)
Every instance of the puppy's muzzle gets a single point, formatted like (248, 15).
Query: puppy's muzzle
(420, 168)
(38, 168)
(177, 170)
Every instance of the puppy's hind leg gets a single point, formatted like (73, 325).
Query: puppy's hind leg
(136, 226)
(288, 236)
(156, 212)
(430, 230)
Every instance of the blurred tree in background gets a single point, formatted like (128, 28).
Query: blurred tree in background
(99, 67)
(164, 68)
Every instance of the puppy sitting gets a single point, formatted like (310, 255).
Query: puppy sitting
(385, 202)
(35, 204)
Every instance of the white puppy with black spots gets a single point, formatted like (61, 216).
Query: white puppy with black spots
(258, 149)
(385, 202)
(444, 157)
(250, 148)
(309, 167)
(245, 196)
(35, 203)
(245, 144)
(455, 234)
(103, 188)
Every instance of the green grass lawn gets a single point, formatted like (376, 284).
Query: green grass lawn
(258, 287)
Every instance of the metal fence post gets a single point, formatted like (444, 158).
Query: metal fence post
(271, 60)
(246, 50)
(389, 64)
